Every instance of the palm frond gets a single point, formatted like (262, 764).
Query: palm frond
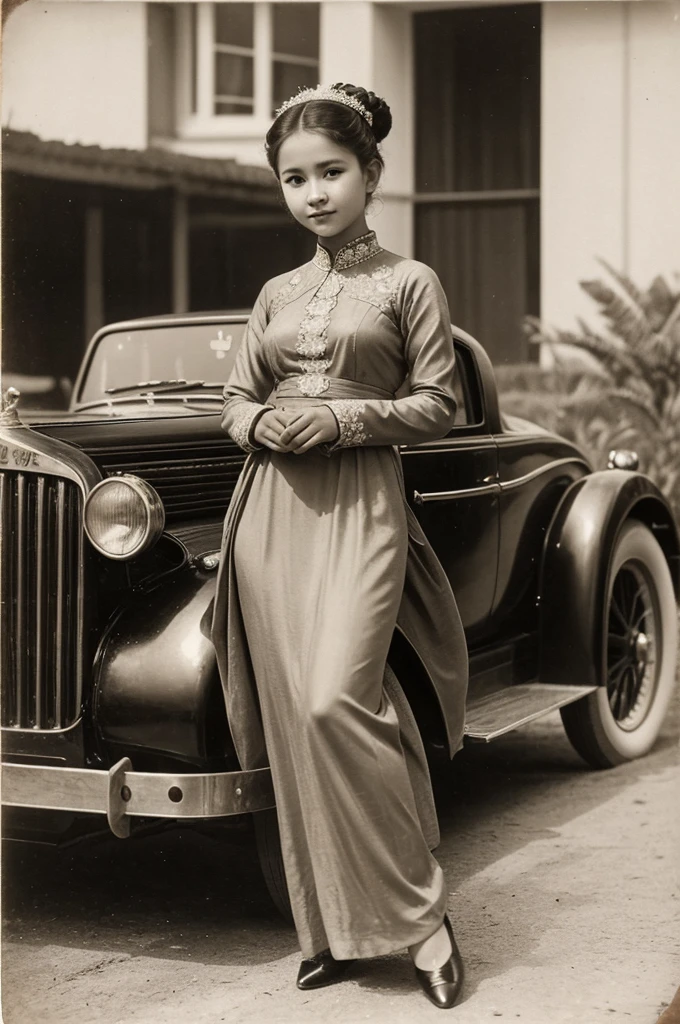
(663, 300)
(536, 332)
(672, 320)
(627, 320)
(626, 388)
(614, 357)
(627, 285)
(629, 399)
(673, 411)
(660, 346)
(585, 328)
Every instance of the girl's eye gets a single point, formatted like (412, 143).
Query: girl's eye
(334, 171)
(294, 179)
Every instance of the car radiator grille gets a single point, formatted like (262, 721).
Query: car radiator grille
(193, 481)
(41, 600)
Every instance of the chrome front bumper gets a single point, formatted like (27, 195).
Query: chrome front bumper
(122, 793)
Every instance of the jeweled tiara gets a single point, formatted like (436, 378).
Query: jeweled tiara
(326, 93)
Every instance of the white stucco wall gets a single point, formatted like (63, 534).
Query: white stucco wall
(610, 147)
(394, 79)
(370, 45)
(76, 71)
(582, 166)
(653, 227)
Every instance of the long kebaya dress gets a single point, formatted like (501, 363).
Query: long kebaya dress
(322, 559)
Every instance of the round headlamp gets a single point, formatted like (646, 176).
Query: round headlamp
(123, 516)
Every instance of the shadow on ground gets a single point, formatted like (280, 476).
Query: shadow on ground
(186, 896)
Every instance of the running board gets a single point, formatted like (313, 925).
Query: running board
(496, 713)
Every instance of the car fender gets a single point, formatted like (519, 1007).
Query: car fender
(574, 577)
(157, 686)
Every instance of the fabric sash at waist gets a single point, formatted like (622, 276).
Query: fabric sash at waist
(338, 387)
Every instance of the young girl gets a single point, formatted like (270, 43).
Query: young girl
(323, 559)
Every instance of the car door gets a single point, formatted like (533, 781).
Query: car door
(452, 485)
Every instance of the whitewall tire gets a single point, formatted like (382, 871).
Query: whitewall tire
(621, 720)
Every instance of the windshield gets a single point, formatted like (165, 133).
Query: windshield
(203, 352)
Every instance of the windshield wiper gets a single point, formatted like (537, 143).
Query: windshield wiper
(157, 387)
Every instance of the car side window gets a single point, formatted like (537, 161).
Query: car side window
(462, 410)
(470, 410)
(466, 390)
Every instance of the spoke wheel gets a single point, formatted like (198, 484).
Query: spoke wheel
(634, 618)
(622, 719)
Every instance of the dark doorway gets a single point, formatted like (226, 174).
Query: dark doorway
(231, 255)
(42, 274)
(478, 88)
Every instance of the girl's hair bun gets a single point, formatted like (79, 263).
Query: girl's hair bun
(382, 116)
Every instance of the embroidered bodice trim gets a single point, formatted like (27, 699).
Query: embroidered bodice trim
(312, 337)
(377, 288)
(287, 292)
(356, 251)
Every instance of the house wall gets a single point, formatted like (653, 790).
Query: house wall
(609, 155)
(368, 44)
(162, 109)
(610, 100)
(371, 45)
(653, 225)
(77, 72)
(610, 151)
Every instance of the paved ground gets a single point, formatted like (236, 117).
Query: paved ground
(564, 897)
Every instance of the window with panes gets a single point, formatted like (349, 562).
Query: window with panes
(240, 61)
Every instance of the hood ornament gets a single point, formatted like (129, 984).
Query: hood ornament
(9, 416)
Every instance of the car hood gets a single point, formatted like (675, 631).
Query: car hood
(158, 426)
(123, 411)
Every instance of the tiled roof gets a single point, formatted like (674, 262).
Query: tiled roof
(26, 153)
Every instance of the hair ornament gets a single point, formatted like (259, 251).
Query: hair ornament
(326, 93)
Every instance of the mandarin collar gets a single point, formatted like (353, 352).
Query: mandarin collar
(356, 251)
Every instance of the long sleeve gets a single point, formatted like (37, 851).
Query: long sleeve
(250, 383)
(428, 412)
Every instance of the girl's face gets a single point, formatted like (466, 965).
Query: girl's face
(325, 187)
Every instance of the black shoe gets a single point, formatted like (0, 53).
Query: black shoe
(322, 969)
(443, 985)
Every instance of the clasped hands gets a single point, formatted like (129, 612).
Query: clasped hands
(290, 430)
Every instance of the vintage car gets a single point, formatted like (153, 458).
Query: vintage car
(111, 519)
